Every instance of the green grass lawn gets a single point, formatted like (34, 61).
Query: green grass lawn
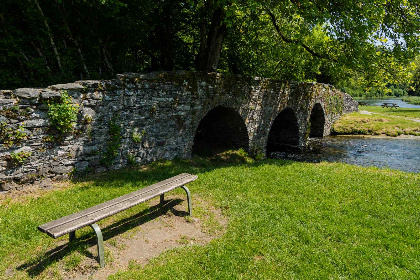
(387, 121)
(286, 220)
(402, 112)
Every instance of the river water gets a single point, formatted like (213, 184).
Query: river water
(394, 153)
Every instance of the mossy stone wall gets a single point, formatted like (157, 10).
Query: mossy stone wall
(139, 118)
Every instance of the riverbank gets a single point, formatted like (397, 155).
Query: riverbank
(375, 120)
(284, 220)
(381, 136)
(412, 99)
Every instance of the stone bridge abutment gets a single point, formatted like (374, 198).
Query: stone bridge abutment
(162, 115)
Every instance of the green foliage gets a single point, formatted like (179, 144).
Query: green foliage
(358, 88)
(415, 81)
(137, 137)
(131, 158)
(243, 153)
(369, 41)
(113, 143)
(63, 114)
(335, 104)
(20, 157)
(10, 136)
(260, 156)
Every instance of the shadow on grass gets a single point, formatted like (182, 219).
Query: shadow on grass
(161, 170)
(35, 267)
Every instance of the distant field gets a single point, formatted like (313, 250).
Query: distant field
(387, 121)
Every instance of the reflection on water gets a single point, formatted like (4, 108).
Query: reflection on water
(401, 154)
(379, 102)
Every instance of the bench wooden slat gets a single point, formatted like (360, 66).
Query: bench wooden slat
(91, 215)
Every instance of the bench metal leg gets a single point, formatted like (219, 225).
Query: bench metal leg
(100, 242)
(188, 199)
(72, 235)
(162, 198)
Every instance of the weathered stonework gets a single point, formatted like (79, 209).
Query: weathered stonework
(157, 115)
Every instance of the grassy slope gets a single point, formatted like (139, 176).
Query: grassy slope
(391, 122)
(287, 220)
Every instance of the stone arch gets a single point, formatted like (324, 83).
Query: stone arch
(317, 121)
(284, 132)
(221, 129)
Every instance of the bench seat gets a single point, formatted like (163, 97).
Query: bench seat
(88, 217)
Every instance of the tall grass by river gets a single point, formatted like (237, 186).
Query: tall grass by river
(412, 99)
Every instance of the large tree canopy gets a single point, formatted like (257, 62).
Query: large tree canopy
(371, 43)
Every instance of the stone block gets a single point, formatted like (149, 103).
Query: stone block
(7, 102)
(36, 123)
(46, 183)
(62, 169)
(50, 95)
(81, 166)
(27, 93)
(89, 83)
(68, 86)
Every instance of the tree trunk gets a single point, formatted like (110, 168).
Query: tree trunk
(209, 54)
(50, 35)
(22, 67)
(166, 47)
(108, 64)
(42, 56)
(72, 39)
(79, 50)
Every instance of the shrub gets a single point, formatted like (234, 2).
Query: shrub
(63, 114)
(20, 157)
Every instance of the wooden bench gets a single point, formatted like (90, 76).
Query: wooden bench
(88, 217)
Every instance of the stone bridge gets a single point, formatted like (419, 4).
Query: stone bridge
(137, 119)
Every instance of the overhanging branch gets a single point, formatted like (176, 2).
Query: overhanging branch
(297, 42)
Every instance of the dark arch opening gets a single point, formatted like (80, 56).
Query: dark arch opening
(220, 130)
(317, 121)
(284, 132)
